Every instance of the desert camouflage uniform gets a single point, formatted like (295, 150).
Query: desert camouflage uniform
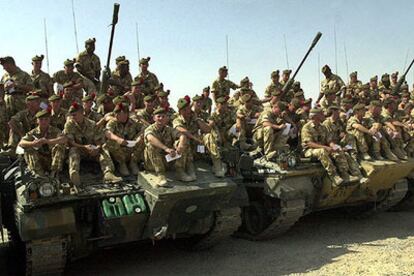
(220, 135)
(149, 82)
(25, 121)
(94, 116)
(44, 82)
(61, 77)
(272, 88)
(222, 87)
(91, 65)
(248, 120)
(47, 157)
(58, 120)
(124, 81)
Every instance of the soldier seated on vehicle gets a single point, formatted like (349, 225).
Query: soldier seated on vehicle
(44, 146)
(193, 128)
(316, 143)
(247, 115)
(197, 108)
(124, 140)
(23, 121)
(367, 130)
(145, 115)
(58, 113)
(162, 142)
(221, 122)
(89, 113)
(85, 141)
(267, 132)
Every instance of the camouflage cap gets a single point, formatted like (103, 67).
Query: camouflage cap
(75, 107)
(43, 113)
(385, 77)
(123, 62)
(38, 58)
(245, 80)
(144, 60)
(374, 78)
(347, 101)
(69, 62)
(90, 41)
(287, 72)
(223, 68)
(160, 110)
(275, 74)
(326, 68)
(375, 103)
(120, 99)
(197, 98)
(353, 74)
(246, 97)
(104, 98)
(163, 93)
(183, 102)
(32, 97)
(316, 111)
(332, 108)
(394, 75)
(89, 97)
(149, 98)
(206, 89)
(119, 59)
(358, 106)
(121, 106)
(222, 99)
(54, 97)
(5, 60)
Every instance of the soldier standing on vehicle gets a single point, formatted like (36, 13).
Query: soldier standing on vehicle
(121, 78)
(44, 147)
(40, 79)
(221, 86)
(331, 82)
(147, 79)
(72, 79)
(14, 85)
(58, 114)
(273, 86)
(207, 103)
(246, 118)
(90, 62)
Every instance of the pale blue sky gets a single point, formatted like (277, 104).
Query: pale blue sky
(186, 39)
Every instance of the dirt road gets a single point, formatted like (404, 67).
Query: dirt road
(321, 244)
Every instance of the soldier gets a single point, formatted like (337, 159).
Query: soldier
(162, 140)
(247, 115)
(164, 103)
(373, 88)
(221, 86)
(40, 79)
(89, 113)
(15, 84)
(58, 114)
(147, 79)
(193, 128)
(385, 85)
(85, 142)
(207, 103)
(69, 95)
(331, 82)
(90, 62)
(121, 78)
(316, 143)
(394, 79)
(72, 79)
(125, 140)
(366, 128)
(44, 147)
(135, 96)
(354, 83)
(23, 121)
(273, 86)
(221, 122)
(267, 132)
(88, 85)
(303, 111)
(328, 100)
(197, 108)
(145, 115)
(285, 77)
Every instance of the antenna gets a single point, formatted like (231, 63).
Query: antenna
(286, 52)
(47, 48)
(74, 26)
(336, 52)
(346, 62)
(319, 71)
(137, 37)
(227, 54)
(406, 59)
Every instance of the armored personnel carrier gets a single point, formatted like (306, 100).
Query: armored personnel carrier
(280, 194)
(51, 223)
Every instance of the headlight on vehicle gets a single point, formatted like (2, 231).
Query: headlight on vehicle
(46, 190)
(291, 161)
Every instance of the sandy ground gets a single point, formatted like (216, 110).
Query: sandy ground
(320, 244)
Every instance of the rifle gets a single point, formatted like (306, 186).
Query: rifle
(400, 82)
(106, 72)
(287, 85)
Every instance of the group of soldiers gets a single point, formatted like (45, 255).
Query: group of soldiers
(132, 125)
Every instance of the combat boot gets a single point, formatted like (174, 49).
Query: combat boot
(377, 156)
(134, 167)
(218, 168)
(162, 180)
(123, 169)
(365, 156)
(182, 176)
(109, 177)
(337, 180)
(400, 153)
(75, 179)
(191, 171)
(391, 156)
(345, 176)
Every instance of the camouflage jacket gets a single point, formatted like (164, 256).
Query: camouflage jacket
(149, 82)
(90, 64)
(85, 134)
(58, 120)
(271, 88)
(35, 133)
(313, 133)
(128, 130)
(166, 135)
(42, 81)
(222, 87)
(334, 82)
(25, 120)
(19, 78)
(121, 81)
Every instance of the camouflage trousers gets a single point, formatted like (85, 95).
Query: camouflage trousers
(367, 143)
(123, 154)
(4, 128)
(154, 159)
(328, 160)
(14, 104)
(213, 141)
(39, 162)
(76, 155)
(270, 140)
